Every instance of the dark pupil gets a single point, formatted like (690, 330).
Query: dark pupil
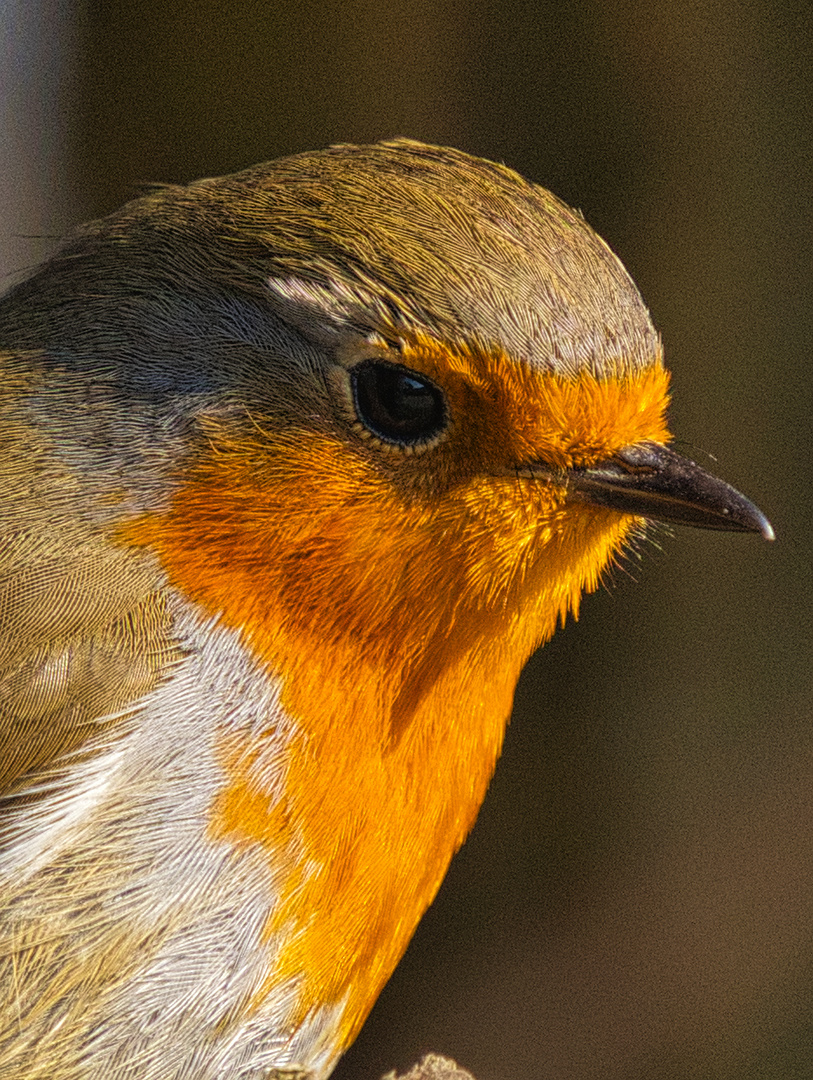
(396, 403)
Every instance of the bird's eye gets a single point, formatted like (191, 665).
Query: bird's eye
(397, 404)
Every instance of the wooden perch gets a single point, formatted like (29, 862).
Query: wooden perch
(433, 1067)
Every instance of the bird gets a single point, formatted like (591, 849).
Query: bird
(300, 465)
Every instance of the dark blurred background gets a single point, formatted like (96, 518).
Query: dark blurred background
(637, 899)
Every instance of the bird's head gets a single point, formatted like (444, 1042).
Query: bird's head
(391, 399)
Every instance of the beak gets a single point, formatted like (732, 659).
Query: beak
(653, 481)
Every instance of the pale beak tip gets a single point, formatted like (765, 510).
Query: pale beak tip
(767, 530)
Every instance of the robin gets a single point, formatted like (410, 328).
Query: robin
(299, 466)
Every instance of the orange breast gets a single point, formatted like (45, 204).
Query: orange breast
(397, 617)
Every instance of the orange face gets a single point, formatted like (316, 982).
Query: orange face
(395, 597)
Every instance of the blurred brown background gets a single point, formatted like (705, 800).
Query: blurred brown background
(636, 901)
